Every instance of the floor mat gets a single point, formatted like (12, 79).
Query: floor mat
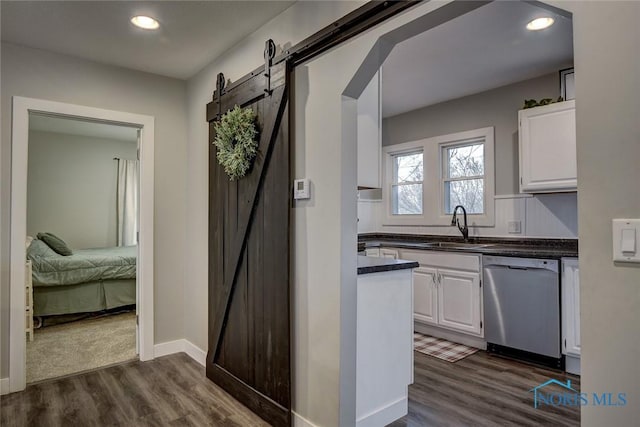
(80, 346)
(442, 349)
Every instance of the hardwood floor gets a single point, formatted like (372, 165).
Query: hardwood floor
(482, 390)
(168, 391)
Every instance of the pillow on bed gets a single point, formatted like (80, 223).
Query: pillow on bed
(55, 243)
(38, 248)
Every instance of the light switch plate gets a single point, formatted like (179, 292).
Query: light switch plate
(626, 240)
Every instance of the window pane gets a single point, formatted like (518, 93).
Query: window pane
(407, 199)
(468, 193)
(467, 160)
(409, 168)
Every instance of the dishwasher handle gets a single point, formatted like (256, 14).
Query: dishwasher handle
(520, 263)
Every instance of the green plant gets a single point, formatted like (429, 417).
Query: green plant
(530, 103)
(236, 141)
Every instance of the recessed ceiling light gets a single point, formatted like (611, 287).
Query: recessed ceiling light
(146, 22)
(540, 23)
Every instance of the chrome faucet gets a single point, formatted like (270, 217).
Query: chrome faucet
(455, 221)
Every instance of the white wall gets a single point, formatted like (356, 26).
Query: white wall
(72, 185)
(39, 74)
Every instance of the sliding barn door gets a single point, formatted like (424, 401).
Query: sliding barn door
(249, 336)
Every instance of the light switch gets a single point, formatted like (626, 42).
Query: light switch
(301, 189)
(626, 232)
(628, 244)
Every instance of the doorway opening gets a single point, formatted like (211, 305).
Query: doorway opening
(81, 239)
(82, 222)
(446, 132)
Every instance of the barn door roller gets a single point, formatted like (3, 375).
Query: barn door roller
(269, 54)
(219, 91)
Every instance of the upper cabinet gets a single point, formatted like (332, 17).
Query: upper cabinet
(548, 148)
(370, 135)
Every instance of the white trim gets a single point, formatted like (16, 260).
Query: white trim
(512, 196)
(300, 421)
(169, 347)
(195, 352)
(19, 160)
(385, 414)
(181, 346)
(4, 386)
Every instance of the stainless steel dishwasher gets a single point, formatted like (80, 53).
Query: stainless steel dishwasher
(522, 308)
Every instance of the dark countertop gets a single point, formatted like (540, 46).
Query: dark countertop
(367, 265)
(518, 247)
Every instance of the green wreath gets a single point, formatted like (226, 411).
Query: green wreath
(236, 141)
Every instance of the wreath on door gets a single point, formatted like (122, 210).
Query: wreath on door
(236, 141)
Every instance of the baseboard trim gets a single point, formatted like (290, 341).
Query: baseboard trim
(300, 421)
(4, 386)
(180, 346)
(195, 352)
(385, 415)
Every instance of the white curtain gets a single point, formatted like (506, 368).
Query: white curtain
(128, 184)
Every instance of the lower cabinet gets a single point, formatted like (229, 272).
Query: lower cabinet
(447, 290)
(425, 295)
(571, 314)
(459, 301)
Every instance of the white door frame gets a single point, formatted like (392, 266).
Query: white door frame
(19, 159)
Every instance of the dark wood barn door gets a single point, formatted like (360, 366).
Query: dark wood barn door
(249, 333)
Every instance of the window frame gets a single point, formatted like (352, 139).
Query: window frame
(445, 168)
(395, 183)
(433, 179)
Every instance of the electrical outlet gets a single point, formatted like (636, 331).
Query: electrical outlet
(513, 227)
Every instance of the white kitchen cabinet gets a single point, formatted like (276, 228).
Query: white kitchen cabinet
(547, 137)
(571, 314)
(375, 252)
(459, 301)
(425, 295)
(446, 291)
(388, 253)
(370, 135)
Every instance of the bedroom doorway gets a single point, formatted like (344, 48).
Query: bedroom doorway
(81, 239)
(82, 223)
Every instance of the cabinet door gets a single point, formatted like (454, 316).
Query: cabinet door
(459, 303)
(372, 252)
(369, 140)
(548, 148)
(571, 307)
(425, 295)
(388, 253)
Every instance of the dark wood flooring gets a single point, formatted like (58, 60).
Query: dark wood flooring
(482, 390)
(168, 391)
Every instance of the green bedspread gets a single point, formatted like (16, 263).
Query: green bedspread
(85, 265)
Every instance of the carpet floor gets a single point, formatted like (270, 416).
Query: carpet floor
(80, 346)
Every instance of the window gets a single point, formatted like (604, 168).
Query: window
(406, 187)
(463, 176)
(424, 180)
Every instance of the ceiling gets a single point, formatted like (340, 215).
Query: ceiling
(70, 126)
(191, 34)
(484, 49)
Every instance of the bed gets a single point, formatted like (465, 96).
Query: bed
(89, 280)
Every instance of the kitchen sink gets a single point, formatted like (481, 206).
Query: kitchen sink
(457, 245)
